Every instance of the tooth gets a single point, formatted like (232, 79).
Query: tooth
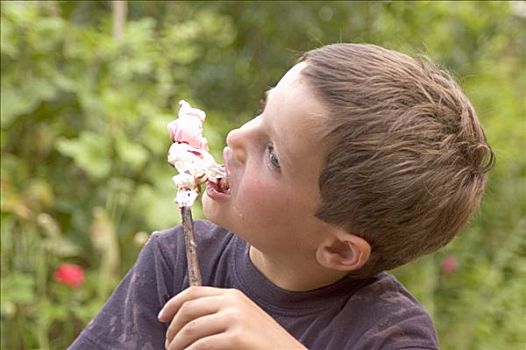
(224, 184)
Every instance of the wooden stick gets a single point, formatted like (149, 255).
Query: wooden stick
(194, 273)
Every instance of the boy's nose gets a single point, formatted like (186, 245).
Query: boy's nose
(235, 141)
(240, 140)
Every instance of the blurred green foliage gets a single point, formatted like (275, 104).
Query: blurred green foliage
(84, 141)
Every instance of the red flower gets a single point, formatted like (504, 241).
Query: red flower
(69, 274)
(449, 264)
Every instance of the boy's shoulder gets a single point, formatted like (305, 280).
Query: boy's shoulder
(385, 288)
(386, 308)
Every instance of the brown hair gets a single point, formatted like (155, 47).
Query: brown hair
(408, 159)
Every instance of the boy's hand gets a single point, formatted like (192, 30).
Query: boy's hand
(215, 318)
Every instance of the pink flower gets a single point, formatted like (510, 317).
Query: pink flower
(449, 264)
(69, 274)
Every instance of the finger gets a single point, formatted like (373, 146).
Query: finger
(173, 305)
(191, 310)
(220, 341)
(198, 329)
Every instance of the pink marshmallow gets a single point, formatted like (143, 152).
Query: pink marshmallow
(188, 128)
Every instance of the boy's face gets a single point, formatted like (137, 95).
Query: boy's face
(273, 164)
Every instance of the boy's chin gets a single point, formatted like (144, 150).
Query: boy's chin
(210, 209)
(211, 212)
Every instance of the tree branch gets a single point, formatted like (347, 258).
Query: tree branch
(119, 10)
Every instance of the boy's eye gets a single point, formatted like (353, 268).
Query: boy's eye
(273, 158)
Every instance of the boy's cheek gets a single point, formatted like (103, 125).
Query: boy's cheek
(263, 204)
(260, 194)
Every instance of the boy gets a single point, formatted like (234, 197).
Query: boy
(362, 160)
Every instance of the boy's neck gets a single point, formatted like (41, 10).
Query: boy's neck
(293, 276)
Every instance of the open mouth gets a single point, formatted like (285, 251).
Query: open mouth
(221, 185)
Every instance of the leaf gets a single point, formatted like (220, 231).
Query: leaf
(50, 312)
(24, 97)
(61, 247)
(156, 204)
(134, 154)
(18, 288)
(8, 39)
(104, 239)
(90, 151)
(40, 193)
(13, 104)
(155, 134)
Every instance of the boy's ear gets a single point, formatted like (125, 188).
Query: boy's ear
(343, 251)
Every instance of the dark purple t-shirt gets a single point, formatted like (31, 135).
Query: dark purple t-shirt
(374, 313)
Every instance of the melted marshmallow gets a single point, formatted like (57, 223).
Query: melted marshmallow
(189, 154)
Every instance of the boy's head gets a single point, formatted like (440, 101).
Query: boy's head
(362, 160)
(407, 159)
